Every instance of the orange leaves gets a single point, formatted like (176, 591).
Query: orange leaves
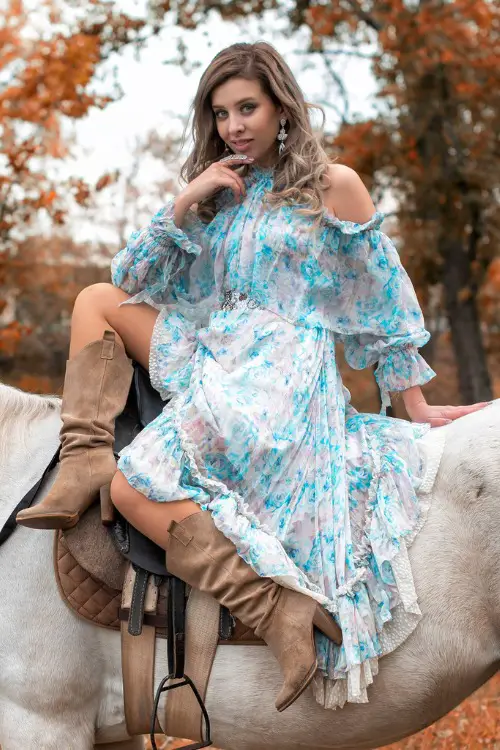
(10, 337)
(493, 273)
(106, 180)
(81, 192)
(52, 79)
(48, 74)
(46, 199)
(362, 146)
(322, 18)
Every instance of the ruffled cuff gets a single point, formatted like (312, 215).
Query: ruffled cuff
(400, 368)
(163, 227)
(153, 256)
(353, 227)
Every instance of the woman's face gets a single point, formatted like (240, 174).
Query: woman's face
(247, 120)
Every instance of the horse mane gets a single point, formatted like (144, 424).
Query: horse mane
(18, 411)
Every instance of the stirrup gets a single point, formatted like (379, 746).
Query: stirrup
(162, 688)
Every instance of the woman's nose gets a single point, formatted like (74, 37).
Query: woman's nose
(236, 127)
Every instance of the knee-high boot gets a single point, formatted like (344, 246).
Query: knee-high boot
(96, 387)
(199, 554)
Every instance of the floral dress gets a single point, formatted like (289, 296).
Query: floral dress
(259, 429)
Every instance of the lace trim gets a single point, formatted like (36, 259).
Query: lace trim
(432, 445)
(353, 227)
(154, 368)
(364, 549)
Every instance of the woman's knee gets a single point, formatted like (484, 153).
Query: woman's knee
(99, 298)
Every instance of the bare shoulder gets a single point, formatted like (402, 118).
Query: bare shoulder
(347, 197)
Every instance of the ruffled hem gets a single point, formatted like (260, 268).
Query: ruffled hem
(397, 612)
(405, 617)
(353, 227)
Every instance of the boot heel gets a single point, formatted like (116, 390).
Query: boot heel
(327, 625)
(107, 507)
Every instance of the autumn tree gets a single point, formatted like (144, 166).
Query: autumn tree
(435, 142)
(50, 55)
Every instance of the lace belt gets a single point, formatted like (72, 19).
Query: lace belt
(233, 298)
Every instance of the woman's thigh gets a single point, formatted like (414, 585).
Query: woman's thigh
(133, 323)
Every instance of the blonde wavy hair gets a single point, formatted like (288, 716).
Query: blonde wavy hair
(301, 172)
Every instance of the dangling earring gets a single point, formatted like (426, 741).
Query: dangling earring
(282, 136)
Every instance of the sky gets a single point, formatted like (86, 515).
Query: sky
(157, 94)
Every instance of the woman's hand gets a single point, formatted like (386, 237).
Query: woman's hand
(218, 175)
(437, 416)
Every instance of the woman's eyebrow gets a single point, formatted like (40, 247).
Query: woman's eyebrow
(219, 106)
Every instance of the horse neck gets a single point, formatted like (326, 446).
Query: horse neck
(29, 436)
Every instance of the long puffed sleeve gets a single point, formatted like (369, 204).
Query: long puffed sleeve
(154, 266)
(378, 315)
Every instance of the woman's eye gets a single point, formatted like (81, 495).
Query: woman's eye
(248, 107)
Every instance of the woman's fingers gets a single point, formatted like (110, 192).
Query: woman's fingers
(460, 411)
(234, 179)
(233, 184)
(450, 413)
(439, 421)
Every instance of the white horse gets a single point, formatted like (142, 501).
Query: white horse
(60, 681)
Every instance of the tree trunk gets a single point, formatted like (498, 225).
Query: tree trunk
(460, 300)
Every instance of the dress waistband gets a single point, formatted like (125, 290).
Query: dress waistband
(233, 298)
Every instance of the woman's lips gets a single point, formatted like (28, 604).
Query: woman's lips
(242, 145)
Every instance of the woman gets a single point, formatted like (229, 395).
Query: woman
(264, 485)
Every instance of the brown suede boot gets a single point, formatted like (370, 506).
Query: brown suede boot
(199, 554)
(95, 392)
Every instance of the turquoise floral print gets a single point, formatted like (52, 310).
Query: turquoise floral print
(259, 429)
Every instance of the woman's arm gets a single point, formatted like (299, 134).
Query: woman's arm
(348, 199)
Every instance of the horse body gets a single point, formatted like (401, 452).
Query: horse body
(60, 677)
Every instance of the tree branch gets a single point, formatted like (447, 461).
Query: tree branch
(337, 79)
(363, 15)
